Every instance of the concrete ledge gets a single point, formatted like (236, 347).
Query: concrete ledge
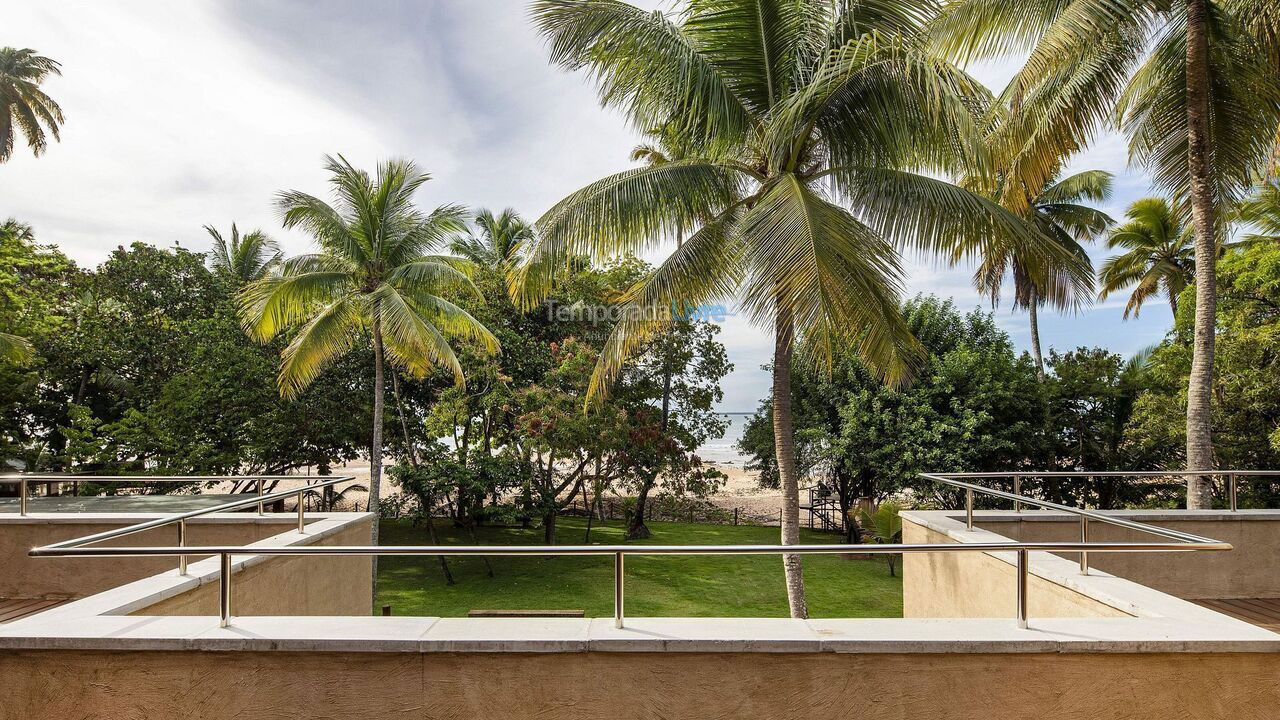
(148, 591)
(1124, 595)
(682, 635)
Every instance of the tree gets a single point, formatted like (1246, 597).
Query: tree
(975, 406)
(1091, 398)
(1160, 255)
(1262, 212)
(14, 348)
(1056, 210)
(244, 259)
(498, 239)
(23, 105)
(372, 274)
(1194, 86)
(885, 527)
(677, 375)
(805, 123)
(1246, 418)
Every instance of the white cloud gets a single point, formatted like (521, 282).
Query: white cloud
(181, 114)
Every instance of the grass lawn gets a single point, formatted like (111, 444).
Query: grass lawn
(673, 586)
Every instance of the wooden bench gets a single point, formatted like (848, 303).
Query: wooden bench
(526, 613)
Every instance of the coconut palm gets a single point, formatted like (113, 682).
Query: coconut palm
(1194, 86)
(885, 527)
(246, 258)
(1058, 212)
(372, 277)
(498, 238)
(1159, 255)
(810, 129)
(23, 105)
(1262, 212)
(15, 348)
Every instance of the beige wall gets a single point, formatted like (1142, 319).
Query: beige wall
(285, 585)
(975, 584)
(57, 685)
(28, 577)
(1251, 570)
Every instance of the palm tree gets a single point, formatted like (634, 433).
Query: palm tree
(885, 527)
(1159, 255)
(1056, 210)
(499, 238)
(246, 258)
(15, 348)
(806, 122)
(1194, 86)
(1262, 211)
(22, 104)
(372, 275)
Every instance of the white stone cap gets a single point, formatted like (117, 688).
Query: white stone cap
(703, 635)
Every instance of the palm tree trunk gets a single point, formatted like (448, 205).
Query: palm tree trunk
(1035, 337)
(375, 446)
(784, 443)
(1199, 386)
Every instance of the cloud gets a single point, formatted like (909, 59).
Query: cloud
(182, 114)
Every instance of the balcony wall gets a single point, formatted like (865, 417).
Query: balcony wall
(1248, 571)
(283, 584)
(980, 584)
(28, 577)
(41, 685)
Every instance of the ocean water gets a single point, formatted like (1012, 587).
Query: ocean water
(724, 449)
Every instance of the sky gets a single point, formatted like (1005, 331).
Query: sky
(186, 114)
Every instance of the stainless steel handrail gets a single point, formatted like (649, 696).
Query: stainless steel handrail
(1232, 477)
(1182, 542)
(182, 518)
(24, 482)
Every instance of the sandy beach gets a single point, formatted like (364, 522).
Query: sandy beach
(740, 490)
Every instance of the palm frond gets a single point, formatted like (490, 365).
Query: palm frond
(646, 66)
(15, 349)
(834, 278)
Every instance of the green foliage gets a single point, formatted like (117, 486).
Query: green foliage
(975, 406)
(803, 141)
(142, 364)
(884, 526)
(1246, 410)
(1159, 255)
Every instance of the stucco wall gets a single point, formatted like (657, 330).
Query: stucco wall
(39, 685)
(290, 585)
(28, 577)
(1248, 571)
(977, 584)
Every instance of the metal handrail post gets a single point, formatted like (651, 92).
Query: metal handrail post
(261, 510)
(22, 496)
(617, 590)
(301, 509)
(1231, 490)
(1022, 588)
(182, 542)
(1084, 538)
(1017, 490)
(224, 591)
(968, 508)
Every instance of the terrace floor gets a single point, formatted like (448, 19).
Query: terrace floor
(1263, 612)
(17, 608)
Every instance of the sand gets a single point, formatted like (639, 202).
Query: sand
(740, 490)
